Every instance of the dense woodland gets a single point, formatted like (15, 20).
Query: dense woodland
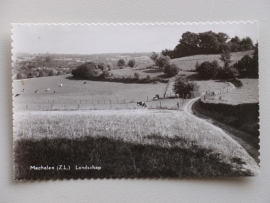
(207, 43)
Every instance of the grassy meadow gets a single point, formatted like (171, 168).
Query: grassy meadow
(189, 62)
(126, 143)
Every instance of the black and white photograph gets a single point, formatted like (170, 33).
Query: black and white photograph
(150, 100)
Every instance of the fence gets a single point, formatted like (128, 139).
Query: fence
(216, 94)
(83, 104)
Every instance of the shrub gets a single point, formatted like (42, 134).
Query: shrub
(106, 74)
(87, 70)
(137, 75)
(148, 77)
(121, 63)
(171, 69)
(208, 69)
(162, 61)
(131, 63)
(183, 87)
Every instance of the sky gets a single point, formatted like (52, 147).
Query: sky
(96, 39)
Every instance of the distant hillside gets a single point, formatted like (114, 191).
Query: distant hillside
(189, 62)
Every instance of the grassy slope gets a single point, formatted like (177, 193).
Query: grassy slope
(178, 145)
(248, 93)
(189, 62)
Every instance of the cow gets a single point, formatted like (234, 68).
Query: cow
(47, 90)
(60, 85)
(17, 95)
(36, 91)
(140, 103)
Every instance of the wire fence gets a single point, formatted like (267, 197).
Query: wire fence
(216, 94)
(84, 104)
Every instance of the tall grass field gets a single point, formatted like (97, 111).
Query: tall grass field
(124, 143)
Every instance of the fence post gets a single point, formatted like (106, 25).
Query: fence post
(160, 104)
(51, 107)
(78, 106)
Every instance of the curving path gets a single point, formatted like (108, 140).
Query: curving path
(229, 131)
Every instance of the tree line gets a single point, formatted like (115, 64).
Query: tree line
(207, 43)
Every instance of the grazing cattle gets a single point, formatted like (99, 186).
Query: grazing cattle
(47, 90)
(54, 92)
(60, 85)
(17, 95)
(36, 91)
(140, 103)
(84, 83)
(23, 90)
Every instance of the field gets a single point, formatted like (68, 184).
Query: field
(189, 62)
(74, 91)
(248, 93)
(139, 143)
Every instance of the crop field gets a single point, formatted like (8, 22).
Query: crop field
(189, 62)
(177, 145)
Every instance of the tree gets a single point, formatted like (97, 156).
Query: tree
(102, 66)
(168, 52)
(121, 63)
(225, 57)
(131, 63)
(162, 61)
(87, 70)
(171, 69)
(153, 56)
(183, 87)
(208, 69)
(246, 44)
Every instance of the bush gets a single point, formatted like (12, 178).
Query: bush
(162, 61)
(183, 87)
(208, 69)
(171, 70)
(131, 63)
(137, 75)
(106, 74)
(121, 63)
(148, 77)
(87, 70)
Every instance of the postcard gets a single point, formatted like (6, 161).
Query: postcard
(151, 100)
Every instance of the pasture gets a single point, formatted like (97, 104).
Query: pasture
(75, 91)
(158, 143)
(248, 93)
(189, 62)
